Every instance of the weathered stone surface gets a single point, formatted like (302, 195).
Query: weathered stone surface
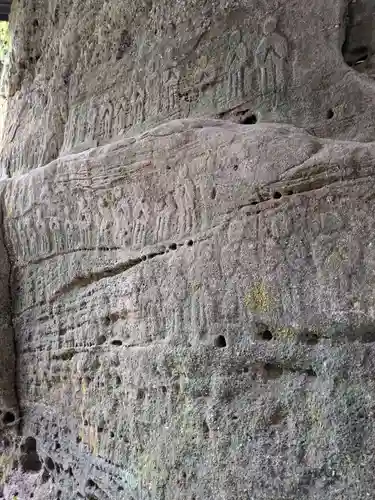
(187, 264)
(85, 72)
(194, 315)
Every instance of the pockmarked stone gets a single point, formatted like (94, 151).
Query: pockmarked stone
(187, 266)
(197, 299)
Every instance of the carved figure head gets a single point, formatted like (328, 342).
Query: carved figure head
(270, 25)
(236, 231)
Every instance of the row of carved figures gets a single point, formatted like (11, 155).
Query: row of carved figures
(116, 219)
(157, 93)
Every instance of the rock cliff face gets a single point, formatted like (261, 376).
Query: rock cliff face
(187, 265)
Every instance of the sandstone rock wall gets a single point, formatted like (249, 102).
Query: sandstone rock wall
(194, 300)
(191, 279)
(85, 72)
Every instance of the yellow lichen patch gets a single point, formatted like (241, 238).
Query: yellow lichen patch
(286, 334)
(314, 413)
(84, 386)
(195, 286)
(258, 299)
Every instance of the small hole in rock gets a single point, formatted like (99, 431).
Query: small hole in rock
(50, 463)
(29, 445)
(30, 462)
(330, 114)
(57, 446)
(101, 340)
(289, 192)
(9, 418)
(249, 120)
(246, 369)
(235, 167)
(85, 423)
(277, 195)
(205, 427)
(118, 381)
(266, 335)
(140, 394)
(90, 483)
(78, 439)
(100, 429)
(190, 243)
(213, 193)
(312, 338)
(310, 372)
(112, 434)
(116, 343)
(220, 341)
(173, 246)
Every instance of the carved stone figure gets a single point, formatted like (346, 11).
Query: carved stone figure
(271, 56)
(235, 64)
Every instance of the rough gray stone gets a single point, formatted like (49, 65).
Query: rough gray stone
(187, 265)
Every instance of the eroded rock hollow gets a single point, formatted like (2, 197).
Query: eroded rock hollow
(186, 251)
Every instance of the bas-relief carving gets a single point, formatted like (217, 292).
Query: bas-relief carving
(271, 56)
(124, 217)
(236, 62)
(161, 92)
(158, 91)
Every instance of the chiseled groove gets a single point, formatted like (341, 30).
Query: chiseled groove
(51, 256)
(299, 189)
(83, 281)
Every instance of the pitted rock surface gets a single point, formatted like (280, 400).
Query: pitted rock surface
(187, 260)
(193, 308)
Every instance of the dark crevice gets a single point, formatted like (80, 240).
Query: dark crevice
(275, 370)
(11, 308)
(306, 188)
(220, 341)
(116, 343)
(249, 120)
(265, 335)
(84, 281)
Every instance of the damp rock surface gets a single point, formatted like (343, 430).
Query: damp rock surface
(187, 260)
